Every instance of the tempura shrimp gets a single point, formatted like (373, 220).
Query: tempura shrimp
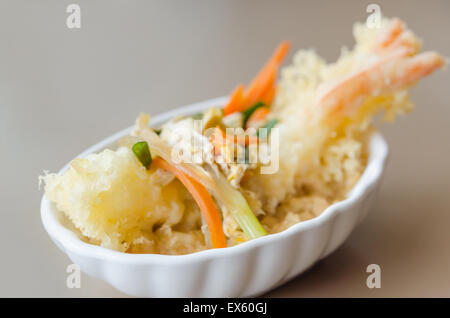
(395, 67)
(321, 103)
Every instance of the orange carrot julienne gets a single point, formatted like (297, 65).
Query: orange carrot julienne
(203, 199)
(269, 96)
(281, 52)
(258, 115)
(217, 139)
(235, 102)
(261, 86)
(261, 83)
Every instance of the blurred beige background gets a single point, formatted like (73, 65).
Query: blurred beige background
(63, 90)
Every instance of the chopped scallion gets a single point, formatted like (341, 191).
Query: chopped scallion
(197, 116)
(142, 152)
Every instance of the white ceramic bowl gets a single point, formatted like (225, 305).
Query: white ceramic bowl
(249, 269)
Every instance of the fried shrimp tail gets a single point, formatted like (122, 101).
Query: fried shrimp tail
(396, 66)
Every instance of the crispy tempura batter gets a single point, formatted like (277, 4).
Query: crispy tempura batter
(325, 116)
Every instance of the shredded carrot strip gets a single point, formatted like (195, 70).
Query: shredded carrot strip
(258, 115)
(262, 86)
(235, 102)
(217, 139)
(263, 81)
(203, 199)
(269, 96)
(281, 52)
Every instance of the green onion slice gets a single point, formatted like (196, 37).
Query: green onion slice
(249, 111)
(197, 116)
(142, 152)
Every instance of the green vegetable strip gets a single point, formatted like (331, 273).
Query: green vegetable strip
(215, 182)
(235, 202)
(246, 218)
(249, 111)
(142, 152)
(197, 116)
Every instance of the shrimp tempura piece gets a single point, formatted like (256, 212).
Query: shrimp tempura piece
(396, 65)
(319, 103)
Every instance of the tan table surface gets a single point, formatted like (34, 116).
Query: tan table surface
(62, 90)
